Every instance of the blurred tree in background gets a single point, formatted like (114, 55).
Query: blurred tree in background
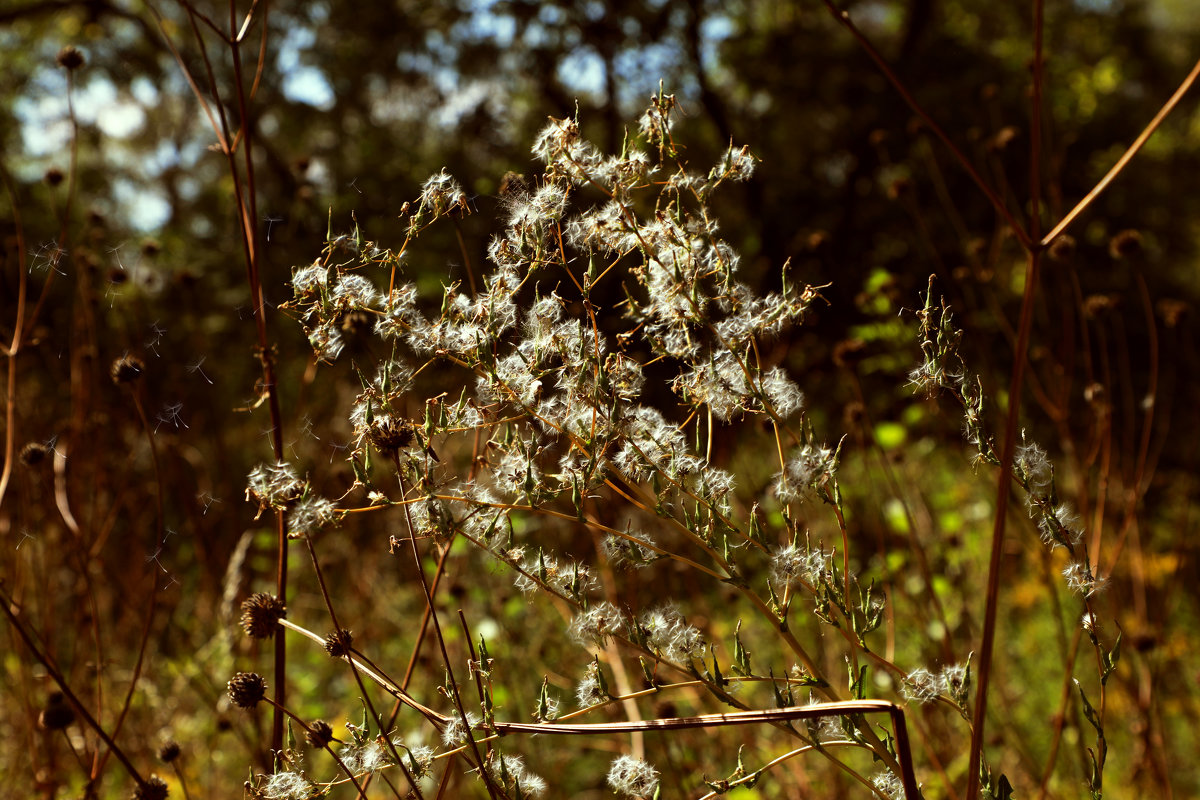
(128, 240)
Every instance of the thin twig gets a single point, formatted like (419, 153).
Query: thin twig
(1124, 160)
(1008, 448)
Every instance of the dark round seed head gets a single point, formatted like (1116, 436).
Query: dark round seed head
(320, 734)
(338, 643)
(247, 689)
(261, 613)
(389, 435)
(154, 788)
(127, 369)
(70, 58)
(1063, 248)
(169, 751)
(33, 454)
(57, 714)
(1126, 244)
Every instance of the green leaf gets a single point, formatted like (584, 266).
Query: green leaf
(1108, 661)
(858, 681)
(1088, 710)
(783, 697)
(741, 656)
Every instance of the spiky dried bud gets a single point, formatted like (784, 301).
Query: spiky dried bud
(127, 369)
(261, 613)
(1126, 244)
(338, 643)
(320, 734)
(154, 788)
(247, 689)
(57, 714)
(169, 751)
(33, 454)
(1062, 249)
(389, 435)
(70, 58)
(53, 176)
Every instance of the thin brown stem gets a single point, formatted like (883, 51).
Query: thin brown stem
(1003, 491)
(337, 627)
(1008, 448)
(1124, 160)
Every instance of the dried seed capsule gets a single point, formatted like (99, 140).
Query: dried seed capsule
(155, 788)
(127, 369)
(320, 734)
(389, 435)
(261, 613)
(69, 58)
(246, 689)
(338, 643)
(169, 751)
(33, 454)
(57, 714)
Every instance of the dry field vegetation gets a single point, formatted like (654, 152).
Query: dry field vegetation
(575, 519)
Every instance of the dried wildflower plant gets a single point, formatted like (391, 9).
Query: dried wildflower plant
(943, 369)
(561, 416)
(608, 268)
(542, 407)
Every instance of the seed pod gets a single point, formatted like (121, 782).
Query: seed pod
(169, 751)
(127, 369)
(247, 689)
(338, 643)
(155, 788)
(57, 714)
(320, 734)
(261, 613)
